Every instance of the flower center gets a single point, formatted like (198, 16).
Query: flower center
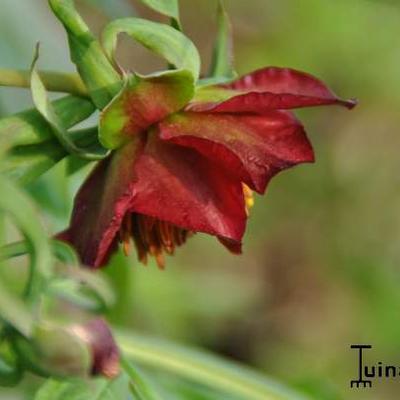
(151, 236)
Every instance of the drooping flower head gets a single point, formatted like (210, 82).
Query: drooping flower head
(186, 156)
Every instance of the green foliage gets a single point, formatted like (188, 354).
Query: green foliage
(102, 81)
(222, 61)
(45, 108)
(97, 389)
(169, 8)
(162, 39)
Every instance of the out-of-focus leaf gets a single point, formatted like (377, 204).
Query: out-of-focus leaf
(26, 163)
(85, 286)
(14, 312)
(203, 368)
(46, 109)
(61, 250)
(95, 389)
(170, 8)
(222, 61)
(17, 204)
(100, 77)
(10, 375)
(29, 127)
(140, 386)
(162, 39)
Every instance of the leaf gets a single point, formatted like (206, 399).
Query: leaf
(14, 312)
(46, 109)
(26, 163)
(29, 127)
(162, 39)
(140, 385)
(95, 389)
(170, 8)
(229, 377)
(100, 77)
(12, 201)
(222, 61)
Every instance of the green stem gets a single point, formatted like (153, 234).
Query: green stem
(203, 368)
(60, 249)
(54, 81)
(13, 250)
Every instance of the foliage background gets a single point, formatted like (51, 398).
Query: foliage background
(320, 268)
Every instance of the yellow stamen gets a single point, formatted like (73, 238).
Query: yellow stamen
(248, 198)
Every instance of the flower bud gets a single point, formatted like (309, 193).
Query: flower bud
(77, 350)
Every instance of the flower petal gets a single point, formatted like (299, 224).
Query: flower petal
(158, 179)
(180, 186)
(252, 147)
(270, 88)
(142, 102)
(101, 204)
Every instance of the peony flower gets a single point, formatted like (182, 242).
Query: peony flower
(187, 161)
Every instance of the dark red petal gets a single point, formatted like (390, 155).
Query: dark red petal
(233, 246)
(158, 179)
(178, 185)
(270, 89)
(251, 147)
(101, 204)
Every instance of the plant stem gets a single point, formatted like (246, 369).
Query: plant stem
(13, 250)
(203, 368)
(53, 81)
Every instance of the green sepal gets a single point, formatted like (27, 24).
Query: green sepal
(48, 112)
(170, 8)
(152, 98)
(161, 39)
(222, 61)
(98, 74)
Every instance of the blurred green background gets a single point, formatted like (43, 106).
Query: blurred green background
(320, 268)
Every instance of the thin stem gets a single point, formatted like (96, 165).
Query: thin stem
(53, 81)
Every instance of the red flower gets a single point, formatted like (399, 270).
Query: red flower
(180, 161)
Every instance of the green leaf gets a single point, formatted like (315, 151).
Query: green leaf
(26, 163)
(222, 61)
(84, 286)
(29, 127)
(229, 377)
(162, 39)
(46, 109)
(95, 389)
(100, 77)
(12, 201)
(170, 8)
(14, 312)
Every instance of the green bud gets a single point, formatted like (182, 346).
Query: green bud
(79, 350)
